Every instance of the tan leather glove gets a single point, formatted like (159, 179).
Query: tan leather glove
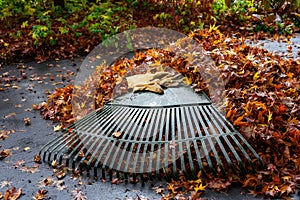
(153, 82)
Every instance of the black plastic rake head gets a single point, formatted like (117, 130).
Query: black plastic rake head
(157, 135)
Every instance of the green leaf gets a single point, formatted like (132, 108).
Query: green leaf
(24, 24)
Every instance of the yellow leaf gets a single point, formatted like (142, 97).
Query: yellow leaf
(24, 24)
(200, 187)
(269, 116)
(26, 148)
(47, 12)
(199, 174)
(256, 76)
(286, 178)
(213, 28)
(57, 128)
(187, 81)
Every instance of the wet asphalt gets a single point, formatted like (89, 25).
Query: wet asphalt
(16, 100)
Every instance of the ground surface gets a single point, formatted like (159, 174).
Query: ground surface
(28, 140)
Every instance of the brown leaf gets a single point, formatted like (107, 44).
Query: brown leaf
(218, 184)
(12, 194)
(78, 195)
(5, 134)
(40, 195)
(37, 159)
(46, 181)
(159, 190)
(5, 153)
(27, 121)
(10, 115)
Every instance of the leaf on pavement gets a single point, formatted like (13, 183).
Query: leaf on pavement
(12, 194)
(5, 153)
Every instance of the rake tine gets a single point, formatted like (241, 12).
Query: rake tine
(45, 146)
(230, 146)
(49, 144)
(252, 151)
(54, 144)
(161, 129)
(94, 119)
(221, 133)
(126, 177)
(108, 123)
(98, 136)
(136, 113)
(173, 139)
(57, 145)
(118, 175)
(103, 172)
(152, 133)
(134, 177)
(110, 129)
(186, 135)
(123, 124)
(211, 142)
(167, 176)
(207, 134)
(110, 173)
(179, 139)
(141, 118)
(166, 159)
(243, 139)
(191, 127)
(84, 122)
(89, 118)
(82, 142)
(140, 140)
(244, 153)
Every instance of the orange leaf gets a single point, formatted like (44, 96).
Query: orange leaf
(282, 109)
(229, 113)
(238, 121)
(12, 194)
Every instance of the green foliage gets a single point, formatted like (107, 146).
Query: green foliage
(243, 9)
(44, 24)
(219, 7)
(13, 8)
(163, 16)
(39, 33)
(98, 18)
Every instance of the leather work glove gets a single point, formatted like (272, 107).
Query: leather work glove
(153, 82)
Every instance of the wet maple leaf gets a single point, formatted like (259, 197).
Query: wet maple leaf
(5, 134)
(5, 184)
(12, 194)
(77, 194)
(199, 188)
(5, 153)
(10, 115)
(37, 159)
(218, 184)
(46, 181)
(40, 195)
(27, 121)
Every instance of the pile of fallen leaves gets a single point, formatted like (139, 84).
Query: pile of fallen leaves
(262, 102)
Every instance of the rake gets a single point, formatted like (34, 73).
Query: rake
(154, 135)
